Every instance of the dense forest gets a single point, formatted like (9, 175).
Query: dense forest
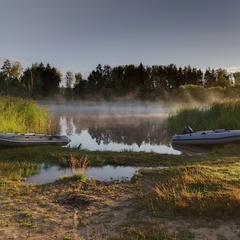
(110, 83)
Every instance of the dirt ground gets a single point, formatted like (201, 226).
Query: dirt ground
(93, 210)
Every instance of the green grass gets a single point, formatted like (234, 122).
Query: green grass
(78, 177)
(215, 116)
(22, 115)
(17, 170)
(207, 187)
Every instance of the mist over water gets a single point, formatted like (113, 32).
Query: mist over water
(114, 127)
(109, 108)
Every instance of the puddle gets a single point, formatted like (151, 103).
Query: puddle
(105, 173)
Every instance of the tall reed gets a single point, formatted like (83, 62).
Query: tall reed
(78, 167)
(215, 116)
(77, 164)
(22, 115)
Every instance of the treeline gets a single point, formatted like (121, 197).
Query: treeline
(110, 83)
(35, 82)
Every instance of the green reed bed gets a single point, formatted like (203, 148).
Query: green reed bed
(216, 116)
(22, 115)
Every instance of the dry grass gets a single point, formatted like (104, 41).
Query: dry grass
(196, 198)
(78, 164)
(196, 191)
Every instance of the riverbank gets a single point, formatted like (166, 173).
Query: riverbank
(196, 197)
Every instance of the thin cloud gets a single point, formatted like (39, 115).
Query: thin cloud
(233, 69)
(12, 60)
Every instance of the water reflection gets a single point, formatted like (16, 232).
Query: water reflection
(115, 129)
(192, 149)
(105, 173)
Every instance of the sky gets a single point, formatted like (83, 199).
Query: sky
(77, 35)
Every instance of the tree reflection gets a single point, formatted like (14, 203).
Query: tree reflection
(123, 129)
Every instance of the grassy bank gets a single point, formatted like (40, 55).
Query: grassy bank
(191, 193)
(22, 115)
(18, 162)
(202, 188)
(195, 191)
(215, 116)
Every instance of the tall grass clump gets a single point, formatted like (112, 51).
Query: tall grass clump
(215, 116)
(78, 167)
(22, 115)
(196, 191)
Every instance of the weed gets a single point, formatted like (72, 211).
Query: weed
(78, 167)
(78, 164)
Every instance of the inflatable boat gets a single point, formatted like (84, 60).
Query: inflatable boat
(31, 139)
(219, 136)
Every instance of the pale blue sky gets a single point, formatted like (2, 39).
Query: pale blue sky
(77, 35)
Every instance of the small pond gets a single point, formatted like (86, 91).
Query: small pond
(105, 173)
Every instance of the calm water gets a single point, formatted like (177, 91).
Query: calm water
(114, 127)
(105, 173)
(125, 127)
